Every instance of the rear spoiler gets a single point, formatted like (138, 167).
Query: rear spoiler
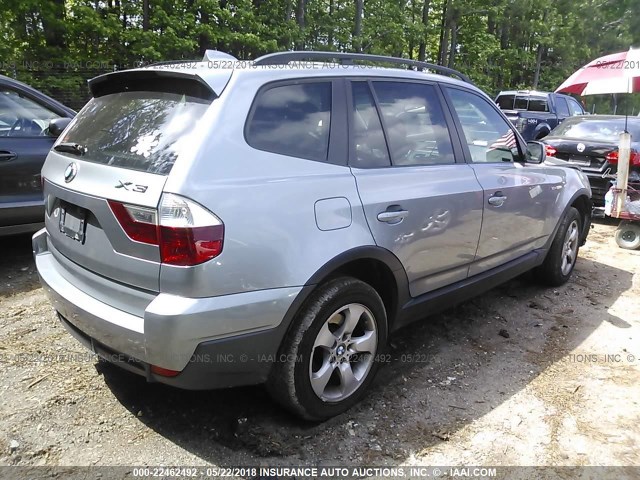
(170, 81)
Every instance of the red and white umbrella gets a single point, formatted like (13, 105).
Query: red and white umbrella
(615, 73)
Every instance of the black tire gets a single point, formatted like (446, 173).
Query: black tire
(290, 381)
(541, 135)
(551, 272)
(628, 235)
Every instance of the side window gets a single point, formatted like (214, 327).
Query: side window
(563, 109)
(490, 137)
(22, 117)
(414, 122)
(538, 105)
(574, 107)
(369, 148)
(292, 120)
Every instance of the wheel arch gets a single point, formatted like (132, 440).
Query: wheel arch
(584, 205)
(373, 265)
(542, 130)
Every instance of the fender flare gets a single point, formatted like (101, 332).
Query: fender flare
(583, 192)
(366, 252)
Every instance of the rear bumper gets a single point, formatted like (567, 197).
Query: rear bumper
(214, 342)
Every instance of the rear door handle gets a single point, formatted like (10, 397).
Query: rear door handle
(5, 155)
(497, 199)
(392, 216)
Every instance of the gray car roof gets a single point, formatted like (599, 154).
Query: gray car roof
(217, 78)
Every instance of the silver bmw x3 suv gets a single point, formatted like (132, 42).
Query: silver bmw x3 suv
(225, 223)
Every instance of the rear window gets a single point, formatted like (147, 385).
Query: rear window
(292, 120)
(144, 131)
(595, 129)
(505, 102)
(520, 102)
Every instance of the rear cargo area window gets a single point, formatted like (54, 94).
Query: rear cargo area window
(292, 120)
(139, 130)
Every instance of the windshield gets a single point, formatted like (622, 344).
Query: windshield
(522, 102)
(600, 130)
(143, 131)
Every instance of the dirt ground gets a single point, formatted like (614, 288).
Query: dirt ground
(519, 376)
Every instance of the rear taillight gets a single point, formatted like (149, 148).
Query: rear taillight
(189, 234)
(612, 157)
(186, 233)
(139, 223)
(634, 157)
(551, 151)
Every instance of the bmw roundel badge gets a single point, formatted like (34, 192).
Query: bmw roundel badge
(70, 172)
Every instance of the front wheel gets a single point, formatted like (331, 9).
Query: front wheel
(562, 256)
(328, 359)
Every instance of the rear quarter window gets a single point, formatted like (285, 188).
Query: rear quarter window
(293, 120)
(138, 130)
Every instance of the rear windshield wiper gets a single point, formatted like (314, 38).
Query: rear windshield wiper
(74, 148)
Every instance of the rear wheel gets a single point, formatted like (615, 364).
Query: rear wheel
(628, 235)
(328, 359)
(562, 256)
(541, 135)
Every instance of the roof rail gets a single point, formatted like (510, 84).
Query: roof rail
(209, 55)
(345, 58)
(170, 62)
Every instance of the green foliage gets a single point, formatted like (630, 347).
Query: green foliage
(57, 44)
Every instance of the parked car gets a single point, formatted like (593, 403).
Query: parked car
(29, 124)
(591, 142)
(534, 113)
(213, 227)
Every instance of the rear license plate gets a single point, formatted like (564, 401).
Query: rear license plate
(72, 221)
(577, 160)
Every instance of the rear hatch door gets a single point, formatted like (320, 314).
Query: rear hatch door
(118, 152)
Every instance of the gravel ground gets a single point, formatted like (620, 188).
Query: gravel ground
(518, 376)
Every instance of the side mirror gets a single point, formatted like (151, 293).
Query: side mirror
(57, 125)
(536, 152)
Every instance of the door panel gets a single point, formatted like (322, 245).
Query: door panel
(516, 195)
(20, 187)
(24, 144)
(437, 237)
(516, 225)
(426, 208)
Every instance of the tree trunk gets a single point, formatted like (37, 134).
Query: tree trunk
(145, 15)
(422, 53)
(454, 43)
(357, 26)
(54, 26)
(330, 32)
(203, 39)
(288, 10)
(444, 33)
(536, 75)
(300, 20)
